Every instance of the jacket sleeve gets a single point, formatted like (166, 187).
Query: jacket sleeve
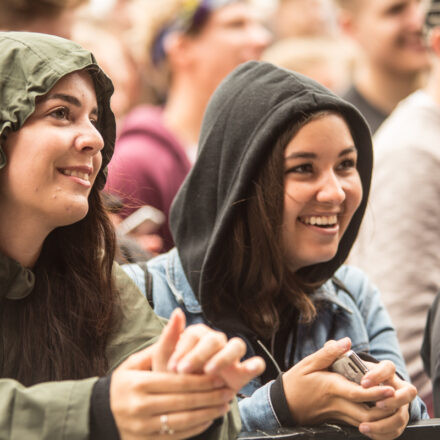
(381, 334)
(54, 410)
(138, 325)
(257, 411)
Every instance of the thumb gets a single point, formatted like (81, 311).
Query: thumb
(324, 357)
(142, 360)
(167, 342)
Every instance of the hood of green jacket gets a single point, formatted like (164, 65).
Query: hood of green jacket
(30, 65)
(246, 115)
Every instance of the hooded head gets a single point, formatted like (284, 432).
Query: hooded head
(30, 66)
(245, 118)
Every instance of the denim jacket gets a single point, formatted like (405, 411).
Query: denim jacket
(358, 314)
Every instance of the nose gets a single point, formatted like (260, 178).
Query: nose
(330, 191)
(259, 38)
(416, 15)
(89, 139)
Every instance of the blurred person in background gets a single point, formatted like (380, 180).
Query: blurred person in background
(54, 17)
(327, 60)
(393, 53)
(194, 44)
(400, 239)
(299, 18)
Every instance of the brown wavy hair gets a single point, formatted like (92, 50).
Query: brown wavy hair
(60, 331)
(255, 276)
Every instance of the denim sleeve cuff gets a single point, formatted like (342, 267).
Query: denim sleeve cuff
(102, 423)
(279, 403)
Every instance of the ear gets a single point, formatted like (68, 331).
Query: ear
(347, 22)
(434, 41)
(177, 47)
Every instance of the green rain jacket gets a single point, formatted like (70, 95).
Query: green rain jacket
(30, 65)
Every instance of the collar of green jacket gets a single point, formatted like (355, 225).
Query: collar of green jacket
(16, 281)
(30, 65)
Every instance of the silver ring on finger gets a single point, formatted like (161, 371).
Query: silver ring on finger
(164, 427)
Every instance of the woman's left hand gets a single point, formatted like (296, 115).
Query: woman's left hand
(392, 426)
(200, 349)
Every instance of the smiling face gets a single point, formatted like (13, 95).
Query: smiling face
(53, 160)
(322, 190)
(390, 32)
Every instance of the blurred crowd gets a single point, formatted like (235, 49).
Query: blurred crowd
(166, 58)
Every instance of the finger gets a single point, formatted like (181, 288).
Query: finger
(181, 422)
(162, 382)
(238, 375)
(387, 428)
(177, 422)
(378, 374)
(189, 433)
(208, 345)
(342, 387)
(168, 340)
(401, 397)
(323, 358)
(188, 340)
(156, 404)
(142, 360)
(234, 350)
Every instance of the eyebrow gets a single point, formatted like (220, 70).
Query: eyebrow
(305, 155)
(70, 99)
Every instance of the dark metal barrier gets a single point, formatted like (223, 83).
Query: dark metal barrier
(422, 430)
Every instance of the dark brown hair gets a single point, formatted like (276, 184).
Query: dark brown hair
(255, 276)
(61, 330)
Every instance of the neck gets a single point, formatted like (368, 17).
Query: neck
(183, 113)
(383, 88)
(20, 238)
(433, 86)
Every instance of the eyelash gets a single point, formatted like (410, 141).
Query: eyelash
(308, 167)
(56, 113)
(66, 115)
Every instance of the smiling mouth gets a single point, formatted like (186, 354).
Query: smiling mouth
(75, 173)
(322, 221)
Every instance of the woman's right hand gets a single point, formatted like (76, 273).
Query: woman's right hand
(316, 395)
(139, 398)
(146, 397)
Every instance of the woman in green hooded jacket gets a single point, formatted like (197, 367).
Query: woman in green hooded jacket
(68, 314)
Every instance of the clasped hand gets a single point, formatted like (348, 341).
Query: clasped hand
(316, 395)
(189, 376)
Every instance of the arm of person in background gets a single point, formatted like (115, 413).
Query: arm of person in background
(144, 390)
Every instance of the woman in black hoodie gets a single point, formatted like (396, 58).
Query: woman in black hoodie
(262, 226)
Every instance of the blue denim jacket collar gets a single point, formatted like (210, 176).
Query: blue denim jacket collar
(184, 294)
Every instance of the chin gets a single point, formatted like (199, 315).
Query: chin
(72, 213)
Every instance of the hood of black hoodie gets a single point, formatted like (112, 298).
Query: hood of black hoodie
(246, 115)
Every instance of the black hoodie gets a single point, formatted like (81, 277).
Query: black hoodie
(246, 115)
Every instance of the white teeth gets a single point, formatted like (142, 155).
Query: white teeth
(74, 173)
(321, 220)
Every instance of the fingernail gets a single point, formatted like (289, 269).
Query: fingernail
(380, 405)
(366, 383)
(365, 429)
(172, 365)
(344, 343)
(389, 393)
(184, 367)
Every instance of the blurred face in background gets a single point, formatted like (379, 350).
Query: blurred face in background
(231, 35)
(390, 33)
(304, 18)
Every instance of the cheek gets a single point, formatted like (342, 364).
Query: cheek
(354, 194)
